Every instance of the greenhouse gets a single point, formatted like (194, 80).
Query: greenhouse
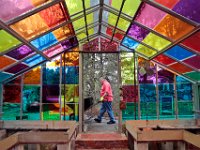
(54, 55)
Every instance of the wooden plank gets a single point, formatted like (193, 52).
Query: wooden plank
(2, 134)
(9, 142)
(43, 137)
(162, 135)
(132, 130)
(191, 138)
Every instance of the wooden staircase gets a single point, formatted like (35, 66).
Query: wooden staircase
(99, 141)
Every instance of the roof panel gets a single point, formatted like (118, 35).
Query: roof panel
(180, 68)
(169, 4)
(16, 68)
(193, 75)
(20, 52)
(7, 41)
(4, 76)
(34, 60)
(179, 53)
(130, 7)
(193, 61)
(6, 61)
(164, 59)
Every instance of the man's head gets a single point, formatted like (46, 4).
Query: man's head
(101, 80)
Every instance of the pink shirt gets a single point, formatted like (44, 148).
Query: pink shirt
(106, 87)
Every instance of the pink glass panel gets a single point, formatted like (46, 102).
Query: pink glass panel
(91, 46)
(177, 67)
(193, 42)
(164, 59)
(149, 16)
(193, 61)
(108, 46)
(54, 50)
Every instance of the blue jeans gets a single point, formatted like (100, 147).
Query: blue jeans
(106, 106)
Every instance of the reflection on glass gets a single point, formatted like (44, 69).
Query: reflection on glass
(51, 111)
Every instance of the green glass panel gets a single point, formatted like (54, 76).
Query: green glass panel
(116, 4)
(51, 111)
(130, 7)
(123, 24)
(74, 6)
(129, 112)
(156, 41)
(79, 23)
(127, 68)
(11, 111)
(194, 75)
(185, 109)
(31, 105)
(112, 19)
(145, 50)
(7, 41)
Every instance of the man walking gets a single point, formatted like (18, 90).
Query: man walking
(106, 98)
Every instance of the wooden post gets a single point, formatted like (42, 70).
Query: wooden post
(140, 146)
(41, 88)
(63, 147)
(167, 146)
(2, 134)
(21, 96)
(175, 97)
(18, 147)
(81, 92)
(181, 145)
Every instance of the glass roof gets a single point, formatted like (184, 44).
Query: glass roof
(36, 31)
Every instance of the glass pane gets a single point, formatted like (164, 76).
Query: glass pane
(109, 31)
(130, 43)
(178, 53)
(50, 93)
(36, 59)
(145, 51)
(130, 93)
(11, 102)
(16, 68)
(71, 75)
(54, 50)
(164, 59)
(130, 7)
(193, 42)
(193, 61)
(180, 68)
(194, 75)
(116, 4)
(123, 24)
(33, 76)
(51, 111)
(12, 8)
(40, 22)
(20, 52)
(127, 68)
(5, 61)
(169, 4)
(72, 59)
(106, 45)
(74, 6)
(7, 41)
(31, 102)
(109, 18)
(129, 112)
(79, 23)
(4, 76)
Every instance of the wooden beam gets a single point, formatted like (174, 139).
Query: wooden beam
(191, 138)
(9, 142)
(2, 134)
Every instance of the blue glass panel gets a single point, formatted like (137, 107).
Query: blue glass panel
(71, 75)
(44, 41)
(178, 52)
(4, 76)
(34, 60)
(130, 43)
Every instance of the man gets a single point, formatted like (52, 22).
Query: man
(106, 98)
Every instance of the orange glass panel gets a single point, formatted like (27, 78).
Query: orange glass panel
(173, 27)
(5, 61)
(30, 27)
(62, 33)
(72, 58)
(180, 68)
(32, 77)
(53, 15)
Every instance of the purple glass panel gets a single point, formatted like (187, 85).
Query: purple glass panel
(165, 76)
(12, 8)
(15, 69)
(137, 32)
(69, 43)
(149, 16)
(193, 61)
(189, 9)
(20, 52)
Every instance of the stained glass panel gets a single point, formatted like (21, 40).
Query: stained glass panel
(36, 59)
(180, 68)
(194, 75)
(51, 111)
(193, 61)
(164, 59)
(4, 76)
(33, 76)
(16, 68)
(5, 61)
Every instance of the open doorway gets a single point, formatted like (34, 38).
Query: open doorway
(96, 65)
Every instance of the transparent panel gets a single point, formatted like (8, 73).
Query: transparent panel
(193, 61)
(12, 8)
(116, 4)
(130, 92)
(20, 53)
(178, 67)
(36, 59)
(193, 75)
(169, 4)
(5, 61)
(129, 112)
(11, 102)
(72, 59)
(40, 22)
(178, 53)
(16, 68)
(148, 52)
(51, 111)
(50, 93)
(130, 43)
(130, 7)
(123, 24)
(109, 18)
(71, 75)
(184, 96)
(4, 76)
(74, 6)
(164, 59)
(31, 102)
(32, 76)
(7, 41)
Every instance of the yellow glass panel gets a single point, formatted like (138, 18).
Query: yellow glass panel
(156, 41)
(91, 31)
(145, 50)
(79, 23)
(30, 27)
(123, 24)
(173, 27)
(112, 19)
(62, 33)
(90, 18)
(81, 36)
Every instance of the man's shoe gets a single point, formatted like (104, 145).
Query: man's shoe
(97, 120)
(111, 122)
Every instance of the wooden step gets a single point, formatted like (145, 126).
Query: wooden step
(101, 141)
